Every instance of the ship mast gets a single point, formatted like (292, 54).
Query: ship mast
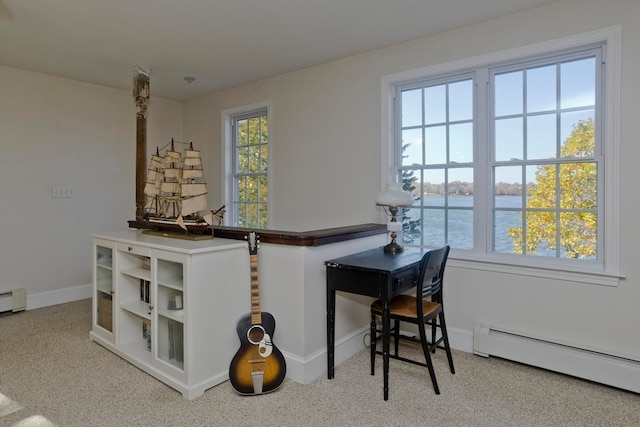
(141, 96)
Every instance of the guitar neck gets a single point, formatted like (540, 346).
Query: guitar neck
(256, 312)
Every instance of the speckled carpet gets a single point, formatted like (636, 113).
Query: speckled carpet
(52, 375)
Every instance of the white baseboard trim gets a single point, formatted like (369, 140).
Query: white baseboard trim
(58, 296)
(460, 339)
(307, 369)
(592, 365)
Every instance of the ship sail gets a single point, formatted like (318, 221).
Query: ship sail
(192, 173)
(155, 176)
(194, 204)
(193, 189)
(175, 188)
(170, 188)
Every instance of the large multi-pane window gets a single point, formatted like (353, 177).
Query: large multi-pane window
(506, 158)
(250, 141)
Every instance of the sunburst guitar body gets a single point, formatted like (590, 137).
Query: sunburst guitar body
(258, 367)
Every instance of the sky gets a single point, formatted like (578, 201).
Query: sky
(534, 110)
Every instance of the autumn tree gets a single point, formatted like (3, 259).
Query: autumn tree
(574, 187)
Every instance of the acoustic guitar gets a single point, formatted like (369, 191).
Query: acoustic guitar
(258, 367)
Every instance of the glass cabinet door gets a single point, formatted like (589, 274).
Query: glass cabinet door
(104, 287)
(171, 307)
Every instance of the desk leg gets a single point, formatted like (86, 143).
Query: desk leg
(331, 324)
(386, 323)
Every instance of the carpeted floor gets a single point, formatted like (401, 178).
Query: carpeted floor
(51, 374)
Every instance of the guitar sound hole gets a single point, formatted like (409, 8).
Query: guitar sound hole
(255, 334)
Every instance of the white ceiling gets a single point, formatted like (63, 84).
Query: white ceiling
(222, 43)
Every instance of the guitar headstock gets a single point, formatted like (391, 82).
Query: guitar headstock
(254, 241)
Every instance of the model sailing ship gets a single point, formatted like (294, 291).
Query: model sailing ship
(176, 192)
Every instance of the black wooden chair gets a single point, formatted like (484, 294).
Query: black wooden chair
(425, 308)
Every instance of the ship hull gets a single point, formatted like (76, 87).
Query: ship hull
(168, 224)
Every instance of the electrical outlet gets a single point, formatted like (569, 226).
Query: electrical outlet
(57, 192)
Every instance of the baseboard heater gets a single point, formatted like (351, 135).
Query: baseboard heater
(13, 300)
(620, 372)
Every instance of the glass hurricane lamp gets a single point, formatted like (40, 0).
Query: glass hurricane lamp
(392, 200)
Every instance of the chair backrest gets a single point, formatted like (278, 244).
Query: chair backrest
(431, 274)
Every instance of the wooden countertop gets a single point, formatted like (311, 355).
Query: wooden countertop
(303, 238)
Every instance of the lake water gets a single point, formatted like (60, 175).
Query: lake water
(460, 222)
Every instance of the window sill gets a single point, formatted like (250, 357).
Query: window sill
(586, 272)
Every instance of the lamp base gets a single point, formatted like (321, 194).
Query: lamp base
(393, 248)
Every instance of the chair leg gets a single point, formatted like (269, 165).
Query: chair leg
(396, 335)
(433, 335)
(372, 345)
(427, 356)
(445, 335)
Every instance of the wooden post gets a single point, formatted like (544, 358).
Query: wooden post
(141, 96)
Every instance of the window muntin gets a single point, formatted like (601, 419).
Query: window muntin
(532, 108)
(437, 149)
(250, 169)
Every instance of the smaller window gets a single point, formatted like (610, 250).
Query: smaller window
(250, 160)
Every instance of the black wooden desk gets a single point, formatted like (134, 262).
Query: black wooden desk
(376, 274)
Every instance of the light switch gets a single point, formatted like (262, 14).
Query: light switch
(57, 192)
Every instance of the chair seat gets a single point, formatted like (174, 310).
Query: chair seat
(405, 306)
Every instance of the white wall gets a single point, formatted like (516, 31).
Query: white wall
(60, 132)
(326, 153)
(325, 144)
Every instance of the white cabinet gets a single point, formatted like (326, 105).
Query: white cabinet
(174, 305)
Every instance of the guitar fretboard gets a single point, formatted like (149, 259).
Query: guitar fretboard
(256, 317)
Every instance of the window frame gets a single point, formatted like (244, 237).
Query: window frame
(229, 117)
(603, 272)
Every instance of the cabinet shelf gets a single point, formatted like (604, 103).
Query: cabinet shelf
(139, 308)
(177, 315)
(104, 257)
(104, 280)
(171, 282)
(104, 289)
(138, 273)
(170, 274)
